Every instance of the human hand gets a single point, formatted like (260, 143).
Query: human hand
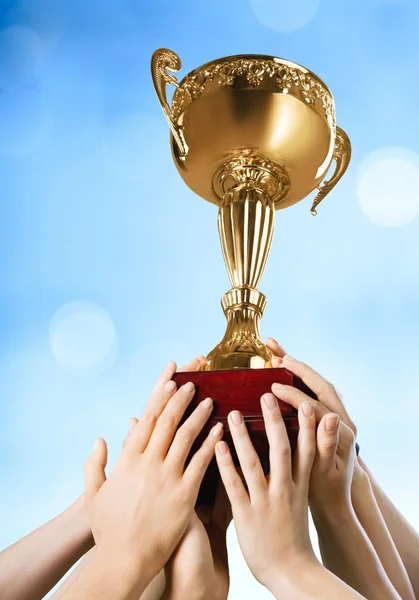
(333, 468)
(271, 519)
(329, 400)
(326, 392)
(198, 569)
(143, 509)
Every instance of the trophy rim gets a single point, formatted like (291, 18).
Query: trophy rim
(191, 87)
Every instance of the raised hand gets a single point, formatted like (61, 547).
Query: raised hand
(271, 515)
(140, 513)
(198, 569)
(354, 540)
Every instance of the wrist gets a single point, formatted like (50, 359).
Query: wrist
(76, 520)
(130, 573)
(285, 579)
(336, 512)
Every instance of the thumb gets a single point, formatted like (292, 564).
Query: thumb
(275, 347)
(328, 440)
(94, 469)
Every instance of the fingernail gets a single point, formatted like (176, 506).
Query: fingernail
(278, 386)
(132, 424)
(171, 365)
(188, 387)
(307, 409)
(236, 417)
(207, 403)
(217, 430)
(170, 386)
(270, 400)
(222, 448)
(96, 445)
(201, 358)
(331, 422)
(271, 339)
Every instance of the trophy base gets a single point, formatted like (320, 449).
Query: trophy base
(240, 389)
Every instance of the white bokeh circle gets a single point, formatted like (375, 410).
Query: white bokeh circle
(82, 337)
(388, 186)
(283, 15)
(133, 144)
(25, 121)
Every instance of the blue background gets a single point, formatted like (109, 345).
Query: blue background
(94, 213)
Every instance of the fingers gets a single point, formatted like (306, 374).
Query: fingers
(275, 347)
(165, 429)
(328, 440)
(141, 435)
(229, 476)
(132, 424)
(195, 364)
(306, 446)
(279, 446)
(296, 398)
(221, 514)
(187, 434)
(94, 469)
(246, 453)
(346, 439)
(323, 389)
(195, 471)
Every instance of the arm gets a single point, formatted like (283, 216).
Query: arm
(140, 513)
(405, 537)
(32, 566)
(110, 575)
(348, 553)
(153, 592)
(271, 515)
(366, 509)
(398, 566)
(368, 564)
(312, 582)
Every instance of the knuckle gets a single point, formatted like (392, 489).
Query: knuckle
(201, 461)
(329, 388)
(168, 420)
(276, 416)
(185, 435)
(148, 418)
(284, 451)
(252, 463)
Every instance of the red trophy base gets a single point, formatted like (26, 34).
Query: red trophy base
(240, 389)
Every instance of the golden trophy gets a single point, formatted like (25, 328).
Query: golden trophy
(252, 134)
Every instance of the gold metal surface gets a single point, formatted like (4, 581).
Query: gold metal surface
(251, 134)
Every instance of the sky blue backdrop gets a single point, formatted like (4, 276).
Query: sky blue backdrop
(94, 212)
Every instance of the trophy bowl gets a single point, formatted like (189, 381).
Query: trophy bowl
(251, 134)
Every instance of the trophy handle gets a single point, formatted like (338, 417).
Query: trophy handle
(162, 61)
(342, 157)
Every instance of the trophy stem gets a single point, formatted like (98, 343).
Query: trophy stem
(246, 221)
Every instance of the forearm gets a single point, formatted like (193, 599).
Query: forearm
(372, 521)
(404, 536)
(30, 568)
(109, 576)
(348, 553)
(153, 592)
(311, 582)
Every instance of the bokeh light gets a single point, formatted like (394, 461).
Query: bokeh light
(388, 186)
(82, 337)
(284, 16)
